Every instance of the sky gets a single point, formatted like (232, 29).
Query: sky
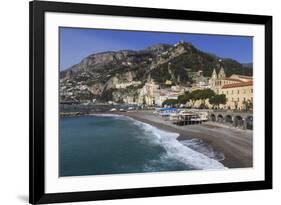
(78, 43)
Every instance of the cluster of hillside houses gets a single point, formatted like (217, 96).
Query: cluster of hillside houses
(238, 90)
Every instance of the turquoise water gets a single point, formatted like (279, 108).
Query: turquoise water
(114, 144)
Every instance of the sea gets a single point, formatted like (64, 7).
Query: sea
(115, 144)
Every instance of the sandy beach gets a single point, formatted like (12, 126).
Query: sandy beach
(235, 144)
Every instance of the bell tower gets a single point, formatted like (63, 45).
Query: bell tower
(221, 72)
(213, 79)
(214, 74)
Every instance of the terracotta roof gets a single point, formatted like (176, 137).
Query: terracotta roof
(245, 76)
(232, 79)
(234, 85)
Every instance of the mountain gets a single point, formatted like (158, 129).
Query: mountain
(98, 75)
(247, 65)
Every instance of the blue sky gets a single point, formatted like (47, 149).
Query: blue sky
(78, 43)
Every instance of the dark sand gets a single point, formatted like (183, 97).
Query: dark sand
(235, 144)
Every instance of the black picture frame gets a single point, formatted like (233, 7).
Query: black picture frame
(37, 128)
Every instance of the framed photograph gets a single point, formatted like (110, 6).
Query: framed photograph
(130, 102)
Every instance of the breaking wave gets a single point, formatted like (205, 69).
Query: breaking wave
(193, 153)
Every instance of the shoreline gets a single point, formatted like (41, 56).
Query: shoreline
(235, 144)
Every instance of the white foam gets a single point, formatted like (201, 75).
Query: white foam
(197, 158)
(199, 146)
(178, 151)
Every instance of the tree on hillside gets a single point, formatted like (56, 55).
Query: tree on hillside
(194, 95)
(171, 102)
(218, 100)
(248, 105)
(107, 95)
(197, 95)
(143, 101)
(183, 99)
(205, 94)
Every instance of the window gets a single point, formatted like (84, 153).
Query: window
(232, 92)
(237, 99)
(251, 90)
(237, 91)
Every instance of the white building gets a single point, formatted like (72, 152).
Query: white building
(148, 93)
(127, 84)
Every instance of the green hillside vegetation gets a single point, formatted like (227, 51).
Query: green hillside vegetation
(214, 99)
(162, 62)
